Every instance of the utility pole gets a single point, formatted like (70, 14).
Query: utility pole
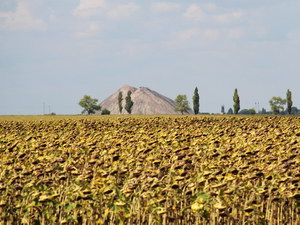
(43, 108)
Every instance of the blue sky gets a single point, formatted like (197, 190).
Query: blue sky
(54, 51)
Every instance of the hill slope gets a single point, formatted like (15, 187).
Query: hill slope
(146, 102)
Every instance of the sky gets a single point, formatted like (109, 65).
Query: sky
(52, 52)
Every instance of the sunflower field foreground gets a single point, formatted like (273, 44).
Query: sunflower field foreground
(150, 170)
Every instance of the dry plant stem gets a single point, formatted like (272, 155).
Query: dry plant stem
(150, 170)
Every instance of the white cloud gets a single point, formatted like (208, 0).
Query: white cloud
(90, 29)
(88, 8)
(122, 10)
(261, 32)
(210, 7)
(188, 34)
(234, 33)
(228, 17)
(294, 35)
(211, 13)
(21, 19)
(90, 4)
(164, 6)
(52, 17)
(211, 34)
(134, 48)
(194, 12)
(206, 34)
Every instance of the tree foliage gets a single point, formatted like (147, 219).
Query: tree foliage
(289, 101)
(230, 111)
(295, 111)
(277, 104)
(196, 101)
(263, 111)
(105, 112)
(236, 102)
(223, 109)
(120, 99)
(89, 105)
(129, 102)
(247, 111)
(182, 104)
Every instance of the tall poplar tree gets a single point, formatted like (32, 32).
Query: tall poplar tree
(120, 99)
(129, 102)
(236, 102)
(289, 101)
(196, 102)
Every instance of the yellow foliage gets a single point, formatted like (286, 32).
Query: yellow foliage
(149, 170)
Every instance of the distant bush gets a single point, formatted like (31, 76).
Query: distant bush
(230, 111)
(247, 111)
(51, 114)
(105, 112)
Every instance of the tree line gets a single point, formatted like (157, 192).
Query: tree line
(277, 104)
(90, 105)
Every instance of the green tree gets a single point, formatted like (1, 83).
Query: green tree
(263, 111)
(236, 102)
(105, 112)
(129, 102)
(222, 109)
(295, 110)
(277, 105)
(182, 104)
(289, 101)
(247, 111)
(89, 105)
(230, 111)
(196, 102)
(120, 99)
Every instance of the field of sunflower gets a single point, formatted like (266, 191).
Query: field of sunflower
(150, 170)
